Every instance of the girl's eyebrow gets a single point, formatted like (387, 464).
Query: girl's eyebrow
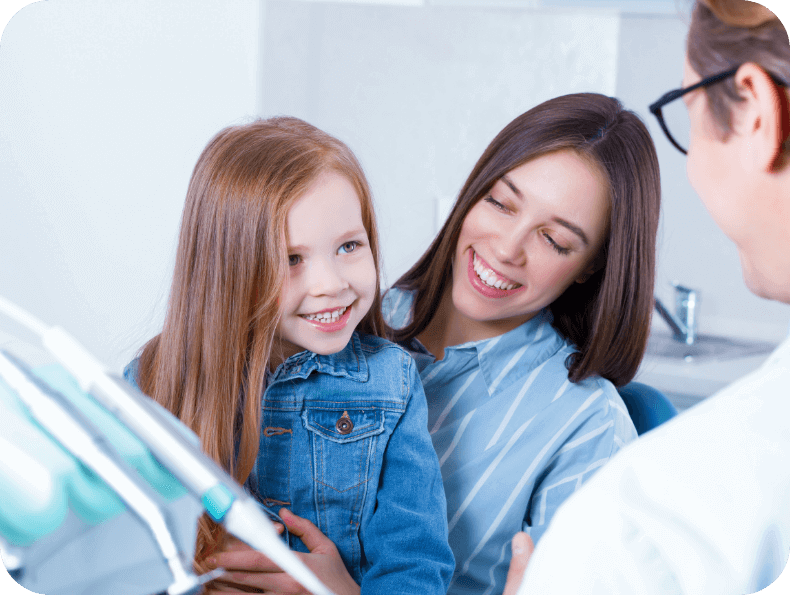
(566, 224)
(345, 236)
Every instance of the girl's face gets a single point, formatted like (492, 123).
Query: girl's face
(522, 245)
(332, 277)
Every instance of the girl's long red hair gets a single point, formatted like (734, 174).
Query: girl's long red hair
(209, 363)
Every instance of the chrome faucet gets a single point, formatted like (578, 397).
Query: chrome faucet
(684, 321)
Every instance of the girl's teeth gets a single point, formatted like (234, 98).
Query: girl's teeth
(327, 316)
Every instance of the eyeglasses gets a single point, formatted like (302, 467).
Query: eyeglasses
(675, 116)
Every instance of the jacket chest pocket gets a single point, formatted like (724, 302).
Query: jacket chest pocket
(343, 443)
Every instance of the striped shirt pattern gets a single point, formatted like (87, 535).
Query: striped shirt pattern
(514, 437)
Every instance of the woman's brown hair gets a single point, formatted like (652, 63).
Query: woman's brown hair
(608, 316)
(727, 33)
(209, 363)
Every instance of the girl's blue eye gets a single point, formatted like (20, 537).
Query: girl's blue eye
(294, 259)
(348, 247)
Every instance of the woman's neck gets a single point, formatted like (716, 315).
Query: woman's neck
(439, 333)
(449, 327)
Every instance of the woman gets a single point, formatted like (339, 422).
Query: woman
(531, 305)
(701, 504)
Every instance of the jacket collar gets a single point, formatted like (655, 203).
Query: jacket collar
(350, 363)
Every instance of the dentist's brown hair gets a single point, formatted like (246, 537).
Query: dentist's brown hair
(608, 316)
(209, 363)
(727, 33)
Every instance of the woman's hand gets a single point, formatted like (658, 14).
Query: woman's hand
(249, 571)
(522, 548)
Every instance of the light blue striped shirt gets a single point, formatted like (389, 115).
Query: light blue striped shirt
(514, 437)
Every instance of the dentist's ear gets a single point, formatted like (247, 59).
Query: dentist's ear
(763, 118)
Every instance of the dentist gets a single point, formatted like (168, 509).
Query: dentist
(702, 504)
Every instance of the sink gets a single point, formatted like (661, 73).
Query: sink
(708, 347)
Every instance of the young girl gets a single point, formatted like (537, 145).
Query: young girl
(271, 353)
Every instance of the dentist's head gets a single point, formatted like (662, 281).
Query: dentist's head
(736, 73)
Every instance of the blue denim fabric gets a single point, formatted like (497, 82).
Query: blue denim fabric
(345, 443)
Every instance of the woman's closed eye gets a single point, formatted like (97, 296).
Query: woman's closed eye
(557, 247)
(495, 203)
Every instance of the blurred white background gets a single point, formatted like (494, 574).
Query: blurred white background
(106, 105)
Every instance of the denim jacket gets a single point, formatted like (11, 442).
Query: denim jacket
(345, 444)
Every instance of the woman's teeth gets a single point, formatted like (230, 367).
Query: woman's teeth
(490, 278)
(332, 316)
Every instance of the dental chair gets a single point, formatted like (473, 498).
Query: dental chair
(648, 407)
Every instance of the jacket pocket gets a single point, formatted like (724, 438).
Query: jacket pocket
(343, 441)
(344, 446)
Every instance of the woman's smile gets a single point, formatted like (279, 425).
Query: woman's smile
(487, 281)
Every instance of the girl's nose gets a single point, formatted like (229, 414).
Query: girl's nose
(327, 279)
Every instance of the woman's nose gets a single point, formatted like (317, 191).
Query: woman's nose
(510, 247)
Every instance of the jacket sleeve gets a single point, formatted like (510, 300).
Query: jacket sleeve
(405, 541)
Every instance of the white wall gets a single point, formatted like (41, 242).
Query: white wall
(418, 93)
(104, 109)
(105, 106)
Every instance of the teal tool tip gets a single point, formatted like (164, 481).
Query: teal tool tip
(217, 501)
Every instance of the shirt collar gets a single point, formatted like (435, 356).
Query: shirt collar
(534, 331)
(502, 359)
(350, 363)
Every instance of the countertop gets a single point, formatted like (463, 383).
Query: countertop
(687, 382)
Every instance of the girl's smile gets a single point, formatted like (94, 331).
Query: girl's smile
(330, 320)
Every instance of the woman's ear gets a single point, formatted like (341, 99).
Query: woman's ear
(595, 265)
(763, 118)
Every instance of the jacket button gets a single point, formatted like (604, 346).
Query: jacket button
(344, 425)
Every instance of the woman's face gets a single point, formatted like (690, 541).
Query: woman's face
(537, 231)
(332, 276)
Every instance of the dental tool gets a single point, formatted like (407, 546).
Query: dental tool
(79, 436)
(222, 497)
(11, 558)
